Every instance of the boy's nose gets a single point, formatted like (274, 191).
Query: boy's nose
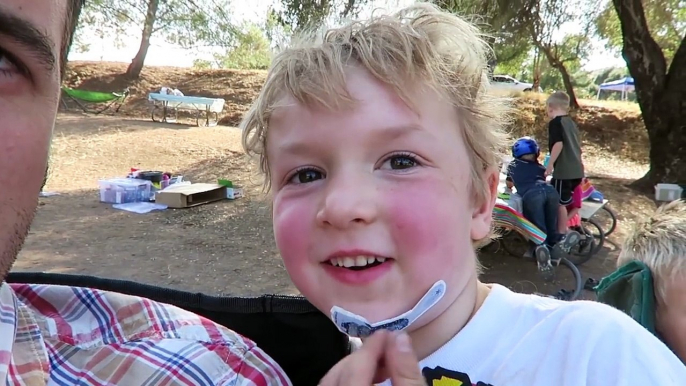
(347, 204)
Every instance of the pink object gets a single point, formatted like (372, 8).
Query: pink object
(576, 198)
(575, 221)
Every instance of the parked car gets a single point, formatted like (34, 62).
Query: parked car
(506, 82)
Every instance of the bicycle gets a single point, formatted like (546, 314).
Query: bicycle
(612, 221)
(516, 242)
(591, 242)
(600, 208)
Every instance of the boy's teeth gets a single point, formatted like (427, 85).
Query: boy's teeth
(357, 261)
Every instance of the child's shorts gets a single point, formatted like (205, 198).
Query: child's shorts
(565, 188)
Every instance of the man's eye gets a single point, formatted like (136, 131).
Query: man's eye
(305, 176)
(400, 162)
(7, 66)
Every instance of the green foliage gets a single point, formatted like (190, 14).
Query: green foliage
(251, 51)
(305, 14)
(202, 64)
(666, 22)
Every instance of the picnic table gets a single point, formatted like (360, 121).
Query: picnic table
(206, 109)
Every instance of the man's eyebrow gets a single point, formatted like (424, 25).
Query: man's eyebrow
(27, 35)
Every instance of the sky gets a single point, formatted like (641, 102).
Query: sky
(163, 54)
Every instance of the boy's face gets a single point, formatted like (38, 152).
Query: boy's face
(554, 111)
(550, 110)
(671, 316)
(379, 187)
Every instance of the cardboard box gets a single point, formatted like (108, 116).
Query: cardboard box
(186, 196)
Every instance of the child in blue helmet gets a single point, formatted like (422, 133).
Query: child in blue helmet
(540, 201)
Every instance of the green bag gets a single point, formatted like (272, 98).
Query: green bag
(630, 289)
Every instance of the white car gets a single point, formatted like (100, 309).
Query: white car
(506, 82)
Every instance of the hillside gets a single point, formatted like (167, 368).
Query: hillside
(612, 129)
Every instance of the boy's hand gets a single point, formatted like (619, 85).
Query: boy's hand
(548, 170)
(384, 355)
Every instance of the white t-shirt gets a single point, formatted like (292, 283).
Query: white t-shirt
(516, 339)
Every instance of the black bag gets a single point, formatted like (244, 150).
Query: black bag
(302, 340)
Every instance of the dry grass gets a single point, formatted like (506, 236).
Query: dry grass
(228, 247)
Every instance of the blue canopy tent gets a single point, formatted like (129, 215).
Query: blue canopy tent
(624, 85)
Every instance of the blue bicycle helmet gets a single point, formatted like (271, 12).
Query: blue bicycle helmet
(524, 146)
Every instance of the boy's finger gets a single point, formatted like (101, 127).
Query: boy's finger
(402, 363)
(358, 368)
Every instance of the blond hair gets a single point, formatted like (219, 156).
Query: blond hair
(419, 45)
(660, 243)
(558, 100)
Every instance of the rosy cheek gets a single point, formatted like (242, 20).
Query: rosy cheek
(293, 229)
(429, 223)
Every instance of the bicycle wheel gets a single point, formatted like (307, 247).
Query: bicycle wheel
(607, 218)
(578, 282)
(587, 246)
(514, 243)
(598, 233)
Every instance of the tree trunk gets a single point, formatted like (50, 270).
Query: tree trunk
(566, 79)
(136, 66)
(537, 69)
(569, 87)
(661, 95)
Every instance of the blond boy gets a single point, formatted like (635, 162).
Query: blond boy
(660, 243)
(380, 144)
(564, 145)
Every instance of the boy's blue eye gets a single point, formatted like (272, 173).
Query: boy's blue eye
(402, 162)
(305, 176)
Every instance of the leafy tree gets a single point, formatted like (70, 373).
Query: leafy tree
(180, 22)
(666, 20)
(660, 91)
(251, 51)
(546, 19)
(502, 20)
(301, 14)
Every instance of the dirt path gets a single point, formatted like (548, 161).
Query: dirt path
(222, 248)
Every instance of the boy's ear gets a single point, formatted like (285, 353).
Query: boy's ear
(483, 214)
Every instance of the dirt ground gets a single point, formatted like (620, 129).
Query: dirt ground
(227, 247)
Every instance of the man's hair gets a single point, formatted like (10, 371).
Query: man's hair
(559, 100)
(70, 22)
(417, 46)
(659, 241)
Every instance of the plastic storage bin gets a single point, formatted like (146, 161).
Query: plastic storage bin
(668, 192)
(124, 190)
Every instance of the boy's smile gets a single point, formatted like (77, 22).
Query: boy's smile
(356, 266)
(373, 205)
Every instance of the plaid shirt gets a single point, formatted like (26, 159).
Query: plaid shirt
(62, 335)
